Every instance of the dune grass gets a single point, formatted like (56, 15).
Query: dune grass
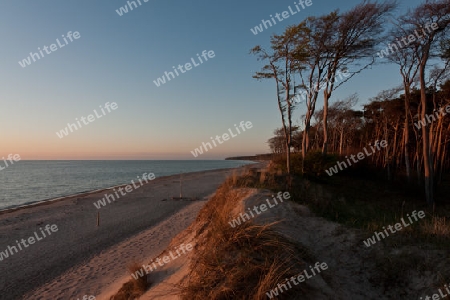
(133, 288)
(243, 262)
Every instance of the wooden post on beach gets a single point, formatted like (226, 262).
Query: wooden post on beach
(181, 196)
(98, 219)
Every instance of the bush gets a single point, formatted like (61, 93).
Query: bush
(315, 163)
(133, 288)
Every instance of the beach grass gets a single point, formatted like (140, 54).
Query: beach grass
(242, 262)
(133, 288)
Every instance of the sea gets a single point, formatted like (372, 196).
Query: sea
(29, 181)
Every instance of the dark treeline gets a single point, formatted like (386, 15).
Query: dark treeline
(308, 61)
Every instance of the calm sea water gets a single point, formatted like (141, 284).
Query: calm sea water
(29, 181)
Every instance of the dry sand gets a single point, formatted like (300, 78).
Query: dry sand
(83, 259)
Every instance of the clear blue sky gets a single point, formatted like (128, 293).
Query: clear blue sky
(117, 58)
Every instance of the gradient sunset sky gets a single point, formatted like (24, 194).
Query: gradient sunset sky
(117, 58)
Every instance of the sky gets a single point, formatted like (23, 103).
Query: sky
(118, 58)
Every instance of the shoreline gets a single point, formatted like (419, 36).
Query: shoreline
(88, 193)
(80, 242)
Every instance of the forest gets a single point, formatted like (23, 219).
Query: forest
(308, 59)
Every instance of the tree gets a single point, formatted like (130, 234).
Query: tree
(433, 14)
(357, 32)
(281, 66)
(277, 144)
(314, 35)
(406, 59)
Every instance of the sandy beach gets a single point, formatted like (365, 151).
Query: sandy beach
(83, 259)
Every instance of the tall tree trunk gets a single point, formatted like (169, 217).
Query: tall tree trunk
(325, 122)
(406, 137)
(305, 141)
(438, 148)
(427, 165)
(387, 156)
(288, 158)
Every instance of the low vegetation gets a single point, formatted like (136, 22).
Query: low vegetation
(134, 288)
(362, 198)
(243, 262)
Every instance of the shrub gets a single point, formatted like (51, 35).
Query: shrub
(316, 163)
(133, 288)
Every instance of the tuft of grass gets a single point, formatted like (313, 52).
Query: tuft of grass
(134, 288)
(243, 262)
(234, 176)
(437, 227)
(262, 177)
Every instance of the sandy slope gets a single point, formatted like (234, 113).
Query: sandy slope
(337, 246)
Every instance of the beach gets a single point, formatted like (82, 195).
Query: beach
(82, 258)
